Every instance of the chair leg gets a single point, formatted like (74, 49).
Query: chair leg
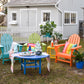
(2, 60)
(56, 59)
(35, 64)
(19, 61)
(71, 63)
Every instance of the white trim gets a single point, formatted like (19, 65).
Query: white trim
(36, 21)
(70, 24)
(11, 20)
(45, 11)
(20, 18)
(61, 12)
(58, 2)
(70, 12)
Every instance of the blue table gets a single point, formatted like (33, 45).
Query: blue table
(35, 58)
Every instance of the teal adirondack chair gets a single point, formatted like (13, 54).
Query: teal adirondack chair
(33, 38)
(6, 42)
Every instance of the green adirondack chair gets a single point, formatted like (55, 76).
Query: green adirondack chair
(33, 38)
(6, 42)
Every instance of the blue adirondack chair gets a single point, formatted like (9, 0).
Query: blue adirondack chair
(6, 42)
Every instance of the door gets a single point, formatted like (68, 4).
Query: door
(28, 20)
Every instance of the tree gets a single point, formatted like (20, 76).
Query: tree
(3, 2)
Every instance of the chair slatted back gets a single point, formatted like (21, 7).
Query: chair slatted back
(6, 41)
(34, 37)
(74, 39)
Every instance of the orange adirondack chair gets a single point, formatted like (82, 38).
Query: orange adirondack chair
(74, 39)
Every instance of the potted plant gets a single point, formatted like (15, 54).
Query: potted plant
(47, 28)
(79, 58)
(57, 36)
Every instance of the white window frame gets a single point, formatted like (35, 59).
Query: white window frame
(70, 12)
(45, 11)
(11, 20)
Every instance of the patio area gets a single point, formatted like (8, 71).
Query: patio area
(29, 34)
(61, 73)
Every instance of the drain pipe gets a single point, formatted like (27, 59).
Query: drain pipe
(60, 12)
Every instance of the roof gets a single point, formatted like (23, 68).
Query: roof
(30, 2)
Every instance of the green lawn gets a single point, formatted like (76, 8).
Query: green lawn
(61, 73)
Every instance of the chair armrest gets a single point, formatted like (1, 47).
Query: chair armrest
(43, 44)
(2, 48)
(24, 45)
(75, 48)
(20, 47)
(59, 45)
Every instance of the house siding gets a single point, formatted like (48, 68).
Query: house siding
(71, 5)
(15, 28)
(69, 30)
(12, 27)
(56, 16)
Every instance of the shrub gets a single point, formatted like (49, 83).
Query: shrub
(47, 28)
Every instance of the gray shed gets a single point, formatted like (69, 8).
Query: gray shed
(27, 15)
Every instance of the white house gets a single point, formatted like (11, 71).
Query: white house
(27, 15)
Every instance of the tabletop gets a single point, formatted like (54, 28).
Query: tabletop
(18, 55)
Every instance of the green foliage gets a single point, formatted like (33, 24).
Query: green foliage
(5, 10)
(47, 28)
(62, 41)
(57, 35)
(78, 56)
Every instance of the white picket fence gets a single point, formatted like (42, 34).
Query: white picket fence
(21, 37)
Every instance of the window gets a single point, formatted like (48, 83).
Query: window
(73, 18)
(67, 18)
(14, 16)
(46, 16)
(70, 18)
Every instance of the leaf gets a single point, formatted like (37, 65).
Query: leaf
(78, 56)
(41, 26)
(48, 27)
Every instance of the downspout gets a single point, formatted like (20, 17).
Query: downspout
(60, 12)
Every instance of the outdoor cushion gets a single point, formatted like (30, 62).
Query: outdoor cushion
(14, 47)
(64, 50)
(32, 46)
(67, 48)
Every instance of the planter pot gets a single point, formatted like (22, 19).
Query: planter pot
(48, 35)
(79, 65)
